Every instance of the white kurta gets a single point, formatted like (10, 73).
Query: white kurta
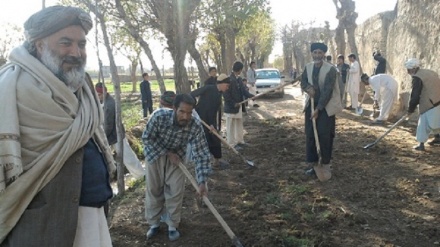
(429, 123)
(353, 83)
(385, 92)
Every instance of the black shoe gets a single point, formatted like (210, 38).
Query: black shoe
(420, 147)
(256, 105)
(238, 147)
(349, 108)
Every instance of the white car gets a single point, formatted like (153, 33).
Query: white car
(267, 79)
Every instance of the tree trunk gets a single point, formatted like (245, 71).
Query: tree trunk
(135, 34)
(180, 73)
(133, 68)
(230, 48)
(141, 65)
(224, 65)
(117, 90)
(203, 75)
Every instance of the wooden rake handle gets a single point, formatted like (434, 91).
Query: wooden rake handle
(211, 207)
(315, 131)
(221, 138)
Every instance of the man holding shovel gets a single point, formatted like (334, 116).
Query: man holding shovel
(385, 89)
(209, 109)
(319, 82)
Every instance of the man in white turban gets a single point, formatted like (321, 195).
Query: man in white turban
(55, 161)
(425, 93)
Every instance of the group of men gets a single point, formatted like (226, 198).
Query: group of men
(55, 158)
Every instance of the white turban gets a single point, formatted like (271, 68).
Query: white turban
(412, 63)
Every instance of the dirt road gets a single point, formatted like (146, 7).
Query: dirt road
(386, 196)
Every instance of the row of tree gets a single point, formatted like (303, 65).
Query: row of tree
(297, 36)
(212, 32)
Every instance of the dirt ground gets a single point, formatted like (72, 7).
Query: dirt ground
(388, 195)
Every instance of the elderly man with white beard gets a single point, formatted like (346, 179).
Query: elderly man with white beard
(319, 81)
(425, 93)
(54, 156)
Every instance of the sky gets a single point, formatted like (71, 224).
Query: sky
(283, 12)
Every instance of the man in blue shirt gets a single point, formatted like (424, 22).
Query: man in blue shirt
(165, 142)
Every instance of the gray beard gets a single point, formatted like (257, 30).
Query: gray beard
(74, 79)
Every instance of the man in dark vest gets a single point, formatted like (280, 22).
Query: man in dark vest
(319, 81)
(425, 93)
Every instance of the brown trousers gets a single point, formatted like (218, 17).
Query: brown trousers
(165, 187)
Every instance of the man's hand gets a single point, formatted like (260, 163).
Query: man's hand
(174, 158)
(212, 129)
(375, 105)
(310, 91)
(203, 189)
(315, 114)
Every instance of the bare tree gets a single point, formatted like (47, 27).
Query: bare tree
(347, 16)
(133, 26)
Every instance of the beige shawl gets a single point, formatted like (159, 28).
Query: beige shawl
(42, 124)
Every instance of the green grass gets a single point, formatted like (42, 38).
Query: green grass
(293, 241)
(127, 87)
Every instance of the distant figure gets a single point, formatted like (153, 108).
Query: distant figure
(343, 71)
(212, 76)
(425, 93)
(381, 63)
(251, 80)
(147, 98)
(328, 59)
(353, 82)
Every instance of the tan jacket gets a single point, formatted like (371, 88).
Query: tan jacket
(334, 106)
(430, 95)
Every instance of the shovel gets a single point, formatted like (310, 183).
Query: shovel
(359, 109)
(211, 207)
(322, 172)
(387, 132)
(248, 162)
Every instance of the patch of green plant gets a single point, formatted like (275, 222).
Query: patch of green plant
(287, 216)
(297, 189)
(308, 217)
(273, 198)
(136, 183)
(292, 241)
(131, 114)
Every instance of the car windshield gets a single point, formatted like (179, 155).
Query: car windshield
(268, 74)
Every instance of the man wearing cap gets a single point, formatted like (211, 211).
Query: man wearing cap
(233, 110)
(167, 98)
(54, 156)
(319, 81)
(165, 140)
(385, 89)
(209, 109)
(425, 93)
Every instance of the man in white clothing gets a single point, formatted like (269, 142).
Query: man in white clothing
(385, 90)
(353, 82)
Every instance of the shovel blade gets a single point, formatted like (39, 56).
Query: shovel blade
(323, 172)
(250, 163)
(369, 145)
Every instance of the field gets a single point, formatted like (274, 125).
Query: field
(388, 195)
